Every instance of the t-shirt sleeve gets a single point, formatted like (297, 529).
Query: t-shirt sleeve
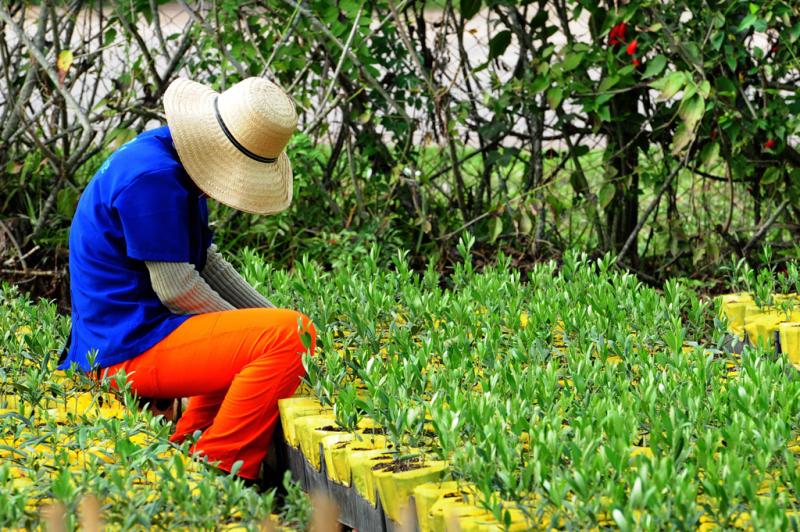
(154, 213)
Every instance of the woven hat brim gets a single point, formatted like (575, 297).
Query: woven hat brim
(216, 166)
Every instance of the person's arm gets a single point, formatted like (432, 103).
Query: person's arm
(181, 289)
(224, 278)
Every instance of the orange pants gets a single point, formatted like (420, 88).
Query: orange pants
(234, 365)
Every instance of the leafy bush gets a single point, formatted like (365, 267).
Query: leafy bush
(535, 126)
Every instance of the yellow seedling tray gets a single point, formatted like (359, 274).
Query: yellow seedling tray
(395, 489)
(293, 408)
(790, 341)
(362, 478)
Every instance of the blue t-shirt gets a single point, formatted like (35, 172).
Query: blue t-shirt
(139, 206)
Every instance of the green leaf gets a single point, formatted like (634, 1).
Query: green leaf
(571, 62)
(525, 223)
(606, 194)
(499, 43)
(710, 154)
(540, 83)
(683, 136)
(692, 109)
(237, 465)
(730, 57)
(654, 66)
(607, 83)
(669, 85)
(619, 519)
(747, 22)
(495, 228)
(125, 447)
(771, 175)
(62, 485)
(177, 461)
(470, 8)
(554, 97)
(109, 36)
(705, 88)
(725, 87)
(716, 39)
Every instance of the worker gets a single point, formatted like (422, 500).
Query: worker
(152, 296)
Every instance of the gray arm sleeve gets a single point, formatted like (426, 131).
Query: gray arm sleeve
(224, 278)
(181, 289)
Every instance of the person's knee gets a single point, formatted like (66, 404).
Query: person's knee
(300, 332)
(306, 333)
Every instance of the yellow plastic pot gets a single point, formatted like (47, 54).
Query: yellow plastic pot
(309, 435)
(427, 494)
(335, 466)
(733, 308)
(448, 509)
(518, 523)
(337, 454)
(790, 341)
(293, 408)
(638, 450)
(395, 488)
(361, 473)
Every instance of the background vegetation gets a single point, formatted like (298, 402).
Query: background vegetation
(664, 133)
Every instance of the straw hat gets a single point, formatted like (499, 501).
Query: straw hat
(232, 144)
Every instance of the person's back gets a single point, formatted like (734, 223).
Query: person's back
(115, 312)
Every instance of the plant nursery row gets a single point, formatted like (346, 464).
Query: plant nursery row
(577, 398)
(574, 398)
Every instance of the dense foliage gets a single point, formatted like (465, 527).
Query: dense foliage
(662, 132)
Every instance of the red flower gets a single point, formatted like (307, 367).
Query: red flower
(769, 144)
(636, 62)
(631, 49)
(617, 34)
